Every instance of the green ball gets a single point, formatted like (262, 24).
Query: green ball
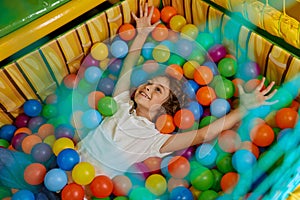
(107, 106)
(218, 79)
(207, 120)
(202, 178)
(208, 195)
(4, 143)
(224, 163)
(176, 59)
(206, 40)
(284, 98)
(224, 89)
(5, 192)
(140, 193)
(198, 56)
(227, 67)
(218, 176)
(121, 198)
(49, 111)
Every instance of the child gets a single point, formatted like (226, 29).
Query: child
(129, 136)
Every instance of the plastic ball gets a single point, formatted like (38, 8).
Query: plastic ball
(205, 95)
(71, 81)
(106, 85)
(224, 162)
(94, 97)
(61, 144)
(34, 173)
(147, 50)
(203, 75)
(262, 135)
(198, 55)
(107, 106)
(184, 47)
(140, 192)
(217, 52)
(286, 118)
(7, 131)
(127, 31)
(64, 130)
(164, 123)
(67, 159)
(160, 33)
(55, 179)
(236, 82)
(178, 167)
(41, 152)
(161, 53)
(224, 88)
(119, 49)
(29, 141)
(205, 40)
(49, 111)
(167, 13)
(101, 186)
(17, 140)
(4, 143)
(83, 173)
(229, 141)
(189, 68)
(175, 71)
(181, 193)
(114, 66)
(46, 130)
(208, 195)
(218, 176)
(190, 88)
(196, 109)
(177, 22)
(177, 182)
(284, 98)
(92, 74)
(189, 31)
(23, 195)
(227, 67)
(72, 191)
(91, 118)
(202, 178)
(164, 166)
(99, 51)
(176, 59)
(248, 70)
(251, 147)
(156, 184)
(32, 107)
(243, 160)
(35, 122)
(229, 181)
(184, 119)
(21, 120)
(153, 164)
(206, 155)
(121, 185)
(219, 107)
(155, 16)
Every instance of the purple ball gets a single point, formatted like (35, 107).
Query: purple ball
(17, 140)
(21, 120)
(106, 85)
(184, 47)
(41, 152)
(64, 130)
(115, 66)
(89, 61)
(35, 123)
(217, 52)
(187, 153)
(248, 70)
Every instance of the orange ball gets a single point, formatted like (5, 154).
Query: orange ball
(286, 118)
(236, 82)
(101, 186)
(153, 164)
(160, 33)
(94, 97)
(127, 31)
(251, 147)
(72, 191)
(29, 142)
(184, 119)
(229, 181)
(34, 173)
(262, 135)
(167, 13)
(176, 182)
(251, 85)
(46, 130)
(175, 71)
(71, 81)
(229, 141)
(155, 16)
(23, 130)
(203, 75)
(179, 167)
(205, 95)
(165, 124)
(150, 66)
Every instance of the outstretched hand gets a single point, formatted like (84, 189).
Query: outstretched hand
(143, 23)
(258, 96)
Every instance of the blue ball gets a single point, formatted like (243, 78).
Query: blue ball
(206, 155)
(55, 179)
(196, 109)
(41, 152)
(164, 165)
(190, 88)
(119, 49)
(138, 77)
(114, 67)
(147, 50)
(106, 85)
(93, 74)
(184, 47)
(64, 130)
(219, 107)
(181, 193)
(91, 118)
(32, 108)
(67, 159)
(7, 132)
(168, 44)
(243, 160)
(23, 195)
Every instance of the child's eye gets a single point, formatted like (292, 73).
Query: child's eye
(157, 89)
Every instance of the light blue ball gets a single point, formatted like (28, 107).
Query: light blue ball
(138, 77)
(243, 160)
(206, 155)
(55, 179)
(93, 74)
(119, 49)
(91, 118)
(196, 109)
(147, 50)
(219, 107)
(23, 195)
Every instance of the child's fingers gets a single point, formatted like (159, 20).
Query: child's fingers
(269, 103)
(134, 16)
(241, 89)
(268, 89)
(151, 11)
(271, 95)
(261, 84)
(156, 23)
(146, 9)
(141, 10)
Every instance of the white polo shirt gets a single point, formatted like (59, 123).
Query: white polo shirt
(121, 140)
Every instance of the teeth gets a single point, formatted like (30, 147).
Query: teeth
(145, 95)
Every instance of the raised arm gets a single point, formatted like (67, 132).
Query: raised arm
(247, 101)
(144, 27)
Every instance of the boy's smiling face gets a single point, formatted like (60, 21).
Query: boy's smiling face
(151, 95)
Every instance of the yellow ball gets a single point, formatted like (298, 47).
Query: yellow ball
(99, 51)
(50, 139)
(156, 184)
(161, 53)
(61, 144)
(189, 31)
(189, 68)
(177, 22)
(83, 173)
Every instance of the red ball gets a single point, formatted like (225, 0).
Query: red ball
(229, 181)
(184, 119)
(34, 173)
(155, 16)
(127, 31)
(203, 75)
(179, 167)
(101, 186)
(262, 135)
(229, 141)
(286, 118)
(167, 13)
(72, 191)
(160, 33)
(165, 124)
(71, 81)
(205, 95)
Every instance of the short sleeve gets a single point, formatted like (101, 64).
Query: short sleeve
(122, 97)
(159, 141)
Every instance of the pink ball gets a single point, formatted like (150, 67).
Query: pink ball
(217, 52)
(21, 120)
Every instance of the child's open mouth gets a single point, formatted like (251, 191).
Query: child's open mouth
(144, 95)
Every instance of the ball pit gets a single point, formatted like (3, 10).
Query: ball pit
(218, 170)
